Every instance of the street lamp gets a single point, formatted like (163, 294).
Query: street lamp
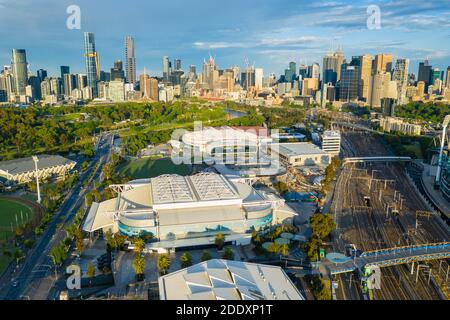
(36, 160)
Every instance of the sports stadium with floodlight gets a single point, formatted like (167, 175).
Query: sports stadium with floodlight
(187, 211)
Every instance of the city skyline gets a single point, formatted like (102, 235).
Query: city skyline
(300, 32)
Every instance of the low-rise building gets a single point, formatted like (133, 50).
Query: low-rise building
(23, 170)
(228, 280)
(391, 124)
(331, 142)
(299, 154)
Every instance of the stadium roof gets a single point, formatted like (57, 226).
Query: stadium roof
(228, 280)
(18, 166)
(297, 148)
(200, 187)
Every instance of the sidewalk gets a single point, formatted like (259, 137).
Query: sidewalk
(435, 195)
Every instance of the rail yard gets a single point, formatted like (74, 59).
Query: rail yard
(376, 206)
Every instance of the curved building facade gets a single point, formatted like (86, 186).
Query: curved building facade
(172, 209)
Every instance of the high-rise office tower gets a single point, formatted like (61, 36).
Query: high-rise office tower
(91, 62)
(349, 82)
(177, 64)
(69, 81)
(248, 78)
(447, 78)
(332, 64)
(130, 60)
(166, 69)
(420, 89)
(117, 72)
(148, 87)
(19, 70)
(41, 74)
(379, 86)
(35, 83)
(365, 72)
(383, 62)
(425, 72)
(64, 70)
(435, 74)
(259, 75)
(290, 74)
(401, 77)
(314, 71)
(81, 81)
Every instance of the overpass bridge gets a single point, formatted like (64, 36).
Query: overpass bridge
(376, 159)
(391, 257)
(353, 126)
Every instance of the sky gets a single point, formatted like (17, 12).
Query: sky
(266, 33)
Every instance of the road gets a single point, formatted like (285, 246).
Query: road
(31, 270)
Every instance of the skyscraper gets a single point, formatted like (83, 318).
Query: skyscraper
(91, 62)
(332, 63)
(383, 62)
(130, 60)
(379, 87)
(314, 71)
(41, 74)
(447, 78)
(117, 72)
(64, 70)
(290, 73)
(349, 82)
(19, 70)
(177, 64)
(166, 69)
(401, 77)
(425, 72)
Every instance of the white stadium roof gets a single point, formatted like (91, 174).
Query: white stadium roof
(228, 280)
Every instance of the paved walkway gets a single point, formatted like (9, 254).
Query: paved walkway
(428, 177)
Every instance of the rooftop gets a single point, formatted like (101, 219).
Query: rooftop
(18, 166)
(297, 148)
(228, 280)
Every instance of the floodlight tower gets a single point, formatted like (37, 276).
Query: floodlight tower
(444, 134)
(36, 160)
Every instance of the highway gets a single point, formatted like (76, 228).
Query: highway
(37, 263)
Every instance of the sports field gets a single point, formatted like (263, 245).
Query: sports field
(150, 168)
(13, 214)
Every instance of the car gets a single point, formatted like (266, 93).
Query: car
(15, 283)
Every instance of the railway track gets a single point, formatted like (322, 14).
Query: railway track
(368, 227)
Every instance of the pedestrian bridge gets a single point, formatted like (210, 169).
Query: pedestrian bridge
(392, 257)
(376, 159)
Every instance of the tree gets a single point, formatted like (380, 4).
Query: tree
(322, 225)
(186, 260)
(228, 254)
(163, 263)
(90, 270)
(205, 256)
(139, 265)
(18, 254)
(284, 250)
(58, 254)
(139, 245)
(79, 242)
(220, 240)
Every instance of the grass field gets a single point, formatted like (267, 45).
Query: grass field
(149, 168)
(9, 209)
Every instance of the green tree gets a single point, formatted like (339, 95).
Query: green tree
(90, 270)
(139, 265)
(205, 256)
(163, 263)
(220, 240)
(284, 250)
(228, 254)
(322, 225)
(58, 254)
(139, 245)
(18, 254)
(186, 260)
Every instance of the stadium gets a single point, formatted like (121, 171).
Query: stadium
(187, 211)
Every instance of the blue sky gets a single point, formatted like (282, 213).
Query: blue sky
(268, 33)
